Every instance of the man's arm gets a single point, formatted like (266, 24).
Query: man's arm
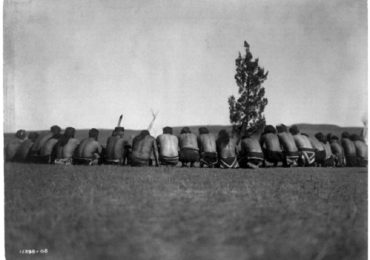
(155, 152)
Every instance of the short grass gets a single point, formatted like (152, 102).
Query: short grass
(110, 212)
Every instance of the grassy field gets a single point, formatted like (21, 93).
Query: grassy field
(111, 212)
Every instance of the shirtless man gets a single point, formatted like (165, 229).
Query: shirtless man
(319, 151)
(23, 151)
(66, 146)
(361, 150)
(337, 150)
(227, 151)
(251, 154)
(290, 150)
(307, 153)
(42, 139)
(189, 150)
(144, 148)
(47, 151)
(349, 149)
(12, 147)
(116, 149)
(207, 148)
(329, 158)
(271, 146)
(89, 151)
(168, 146)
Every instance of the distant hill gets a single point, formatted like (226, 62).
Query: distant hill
(309, 129)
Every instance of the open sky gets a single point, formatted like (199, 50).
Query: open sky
(82, 63)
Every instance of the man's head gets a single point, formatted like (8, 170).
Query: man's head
(185, 130)
(33, 136)
(305, 134)
(319, 136)
(334, 138)
(269, 129)
(355, 137)
(345, 135)
(167, 130)
(21, 134)
(223, 136)
(294, 130)
(94, 133)
(119, 130)
(68, 134)
(203, 130)
(281, 128)
(55, 130)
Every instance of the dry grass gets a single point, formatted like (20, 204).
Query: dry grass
(110, 212)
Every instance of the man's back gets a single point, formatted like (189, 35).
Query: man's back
(68, 149)
(168, 145)
(207, 143)
(115, 148)
(188, 140)
(23, 150)
(144, 148)
(287, 142)
(302, 142)
(316, 144)
(348, 147)
(88, 147)
(48, 147)
(250, 145)
(40, 142)
(227, 150)
(361, 149)
(270, 142)
(11, 148)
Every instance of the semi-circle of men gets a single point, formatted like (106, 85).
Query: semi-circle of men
(276, 146)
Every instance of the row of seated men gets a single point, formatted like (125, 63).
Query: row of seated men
(275, 147)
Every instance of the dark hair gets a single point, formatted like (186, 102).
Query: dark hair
(294, 130)
(269, 129)
(305, 134)
(68, 134)
(223, 137)
(319, 136)
(140, 136)
(21, 134)
(55, 129)
(33, 136)
(167, 130)
(345, 135)
(203, 130)
(355, 137)
(281, 128)
(94, 133)
(334, 137)
(185, 130)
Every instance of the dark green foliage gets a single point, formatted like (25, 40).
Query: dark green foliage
(246, 111)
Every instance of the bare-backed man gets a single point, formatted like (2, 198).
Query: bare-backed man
(42, 140)
(290, 150)
(47, 151)
(66, 146)
(329, 158)
(12, 147)
(227, 150)
(89, 151)
(361, 150)
(144, 148)
(251, 154)
(116, 148)
(349, 150)
(338, 151)
(319, 150)
(189, 150)
(23, 152)
(307, 153)
(271, 146)
(207, 148)
(168, 147)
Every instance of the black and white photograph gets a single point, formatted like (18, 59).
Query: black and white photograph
(197, 129)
